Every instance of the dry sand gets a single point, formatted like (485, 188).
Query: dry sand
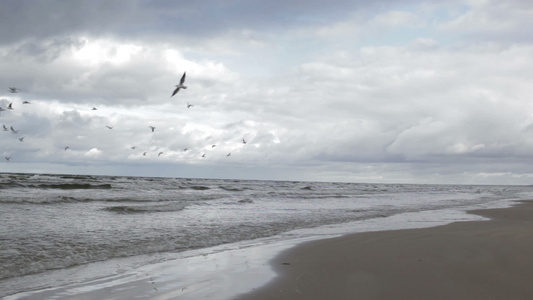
(465, 260)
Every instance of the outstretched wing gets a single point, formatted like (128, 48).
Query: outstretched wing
(182, 80)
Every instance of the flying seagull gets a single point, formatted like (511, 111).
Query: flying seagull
(13, 90)
(66, 148)
(8, 158)
(243, 141)
(10, 106)
(229, 154)
(189, 105)
(186, 149)
(203, 155)
(26, 102)
(180, 86)
(133, 147)
(152, 127)
(2, 109)
(144, 154)
(110, 127)
(21, 139)
(13, 130)
(213, 146)
(160, 154)
(5, 128)
(94, 108)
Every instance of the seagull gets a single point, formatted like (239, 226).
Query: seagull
(13, 130)
(159, 154)
(8, 158)
(186, 149)
(21, 139)
(66, 148)
(180, 86)
(203, 155)
(229, 154)
(13, 90)
(133, 147)
(10, 106)
(2, 109)
(144, 154)
(243, 141)
(152, 127)
(213, 146)
(189, 105)
(110, 127)
(5, 128)
(94, 108)
(26, 102)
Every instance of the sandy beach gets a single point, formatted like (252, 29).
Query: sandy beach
(464, 260)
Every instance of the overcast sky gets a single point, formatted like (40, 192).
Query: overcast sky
(405, 91)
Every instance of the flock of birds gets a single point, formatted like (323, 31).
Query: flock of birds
(178, 87)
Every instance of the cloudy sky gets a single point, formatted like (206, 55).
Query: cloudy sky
(406, 91)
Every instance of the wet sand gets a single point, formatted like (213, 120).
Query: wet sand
(464, 260)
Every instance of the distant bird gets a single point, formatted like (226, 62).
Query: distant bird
(203, 155)
(133, 147)
(13, 90)
(66, 148)
(2, 109)
(186, 149)
(159, 154)
(243, 141)
(152, 127)
(8, 158)
(13, 130)
(144, 154)
(21, 139)
(189, 105)
(5, 128)
(180, 86)
(25, 102)
(229, 154)
(10, 106)
(213, 146)
(110, 127)
(94, 108)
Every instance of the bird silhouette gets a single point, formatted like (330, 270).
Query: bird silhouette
(13, 90)
(152, 127)
(180, 85)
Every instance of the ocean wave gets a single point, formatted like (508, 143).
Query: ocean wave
(75, 186)
(135, 209)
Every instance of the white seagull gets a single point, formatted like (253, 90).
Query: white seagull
(5, 128)
(13, 130)
(21, 139)
(8, 158)
(180, 86)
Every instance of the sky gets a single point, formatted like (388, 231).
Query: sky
(406, 91)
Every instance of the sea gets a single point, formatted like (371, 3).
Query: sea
(59, 222)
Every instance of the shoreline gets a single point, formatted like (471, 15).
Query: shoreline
(242, 270)
(490, 259)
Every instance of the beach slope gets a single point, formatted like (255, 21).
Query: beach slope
(464, 260)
